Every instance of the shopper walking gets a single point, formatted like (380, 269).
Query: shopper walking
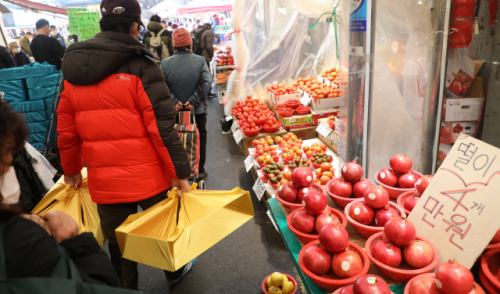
(206, 42)
(56, 35)
(25, 43)
(44, 48)
(6, 59)
(189, 81)
(20, 57)
(116, 115)
(158, 39)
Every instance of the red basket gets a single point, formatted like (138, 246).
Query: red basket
(252, 133)
(338, 200)
(289, 206)
(271, 129)
(260, 122)
(307, 238)
(402, 198)
(394, 192)
(287, 104)
(486, 283)
(285, 113)
(303, 112)
(290, 278)
(490, 264)
(316, 166)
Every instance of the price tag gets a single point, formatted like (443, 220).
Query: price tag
(249, 163)
(228, 118)
(323, 130)
(259, 188)
(238, 136)
(234, 127)
(272, 220)
(306, 99)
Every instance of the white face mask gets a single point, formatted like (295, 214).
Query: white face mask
(9, 187)
(17, 50)
(54, 33)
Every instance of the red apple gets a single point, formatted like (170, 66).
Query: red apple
(303, 222)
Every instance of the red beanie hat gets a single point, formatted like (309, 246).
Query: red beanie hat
(181, 38)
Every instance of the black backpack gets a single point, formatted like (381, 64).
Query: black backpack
(197, 49)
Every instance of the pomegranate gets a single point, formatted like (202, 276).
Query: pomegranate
(347, 264)
(424, 285)
(376, 197)
(385, 214)
(341, 188)
(385, 239)
(400, 163)
(346, 290)
(288, 192)
(408, 180)
(400, 231)
(387, 253)
(477, 289)
(370, 284)
(325, 219)
(361, 213)
(496, 238)
(388, 177)
(360, 187)
(422, 183)
(314, 201)
(303, 222)
(333, 238)
(410, 202)
(352, 171)
(418, 254)
(317, 260)
(454, 278)
(302, 176)
(302, 192)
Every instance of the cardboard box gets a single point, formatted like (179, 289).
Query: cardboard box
(445, 133)
(331, 141)
(340, 126)
(247, 141)
(468, 128)
(280, 99)
(325, 113)
(305, 133)
(296, 121)
(465, 109)
(325, 103)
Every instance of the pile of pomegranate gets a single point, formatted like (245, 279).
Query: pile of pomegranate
(450, 278)
(351, 182)
(295, 191)
(375, 207)
(400, 174)
(398, 242)
(420, 185)
(367, 284)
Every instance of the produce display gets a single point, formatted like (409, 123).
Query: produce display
(254, 116)
(409, 200)
(342, 189)
(370, 284)
(324, 174)
(283, 89)
(289, 109)
(279, 283)
(223, 56)
(275, 173)
(332, 75)
(222, 77)
(400, 175)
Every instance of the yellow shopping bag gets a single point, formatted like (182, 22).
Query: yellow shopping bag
(75, 202)
(155, 238)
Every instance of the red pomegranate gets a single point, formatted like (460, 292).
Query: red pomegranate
(418, 254)
(422, 183)
(341, 188)
(360, 187)
(303, 222)
(385, 239)
(371, 284)
(454, 278)
(333, 238)
(288, 192)
(376, 197)
(496, 238)
(423, 285)
(352, 171)
(477, 289)
(325, 219)
(400, 163)
(302, 192)
(387, 253)
(317, 260)
(302, 176)
(346, 290)
(361, 213)
(400, 231)
(408, 180)
(347, 263)
(314, 201)
(410, 202)
(383, 215)
(388, 177)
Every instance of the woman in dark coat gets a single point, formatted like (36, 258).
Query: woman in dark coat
(21, 58)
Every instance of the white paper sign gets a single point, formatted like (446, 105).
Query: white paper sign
(458, 211)
(323, 130)
(234, 127)
(238, 136)
(228, 118)
(259, 188)
(272, 220)
(249, 163)
(306, 99)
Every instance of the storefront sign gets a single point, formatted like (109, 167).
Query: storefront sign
(458, 211)
(358, 16)
(323, 130)
(238, 136)
(249, 163)
(73, 21)
(88, 24)
(259, 188)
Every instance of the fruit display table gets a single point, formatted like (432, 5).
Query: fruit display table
(279, 215)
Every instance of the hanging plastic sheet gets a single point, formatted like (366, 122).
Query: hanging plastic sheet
(167, 237)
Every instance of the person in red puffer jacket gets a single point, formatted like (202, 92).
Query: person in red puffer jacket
(116, 116)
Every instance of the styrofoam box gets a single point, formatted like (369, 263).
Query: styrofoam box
(465, 109)
(325, 103)
(280, 99)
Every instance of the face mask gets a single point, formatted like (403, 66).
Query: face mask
(9, 187)
(17, 50)
(54, 34)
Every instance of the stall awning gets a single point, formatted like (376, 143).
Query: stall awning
(201, 6)
(167, 6)
(37, 6)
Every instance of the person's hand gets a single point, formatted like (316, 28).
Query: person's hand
(178, 106)
(61, 225)
(38, 220)
(188, 105)
(74, 181)
(182, 185)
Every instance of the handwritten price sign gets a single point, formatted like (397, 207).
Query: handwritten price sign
(249, 163)
(458, 211)
(238, 136)
(259, 188)
(323, 130)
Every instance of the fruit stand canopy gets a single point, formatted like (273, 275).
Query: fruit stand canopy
(200, 6)
(38, 6)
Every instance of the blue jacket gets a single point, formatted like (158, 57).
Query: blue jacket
(188, 79)
(60, 39)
